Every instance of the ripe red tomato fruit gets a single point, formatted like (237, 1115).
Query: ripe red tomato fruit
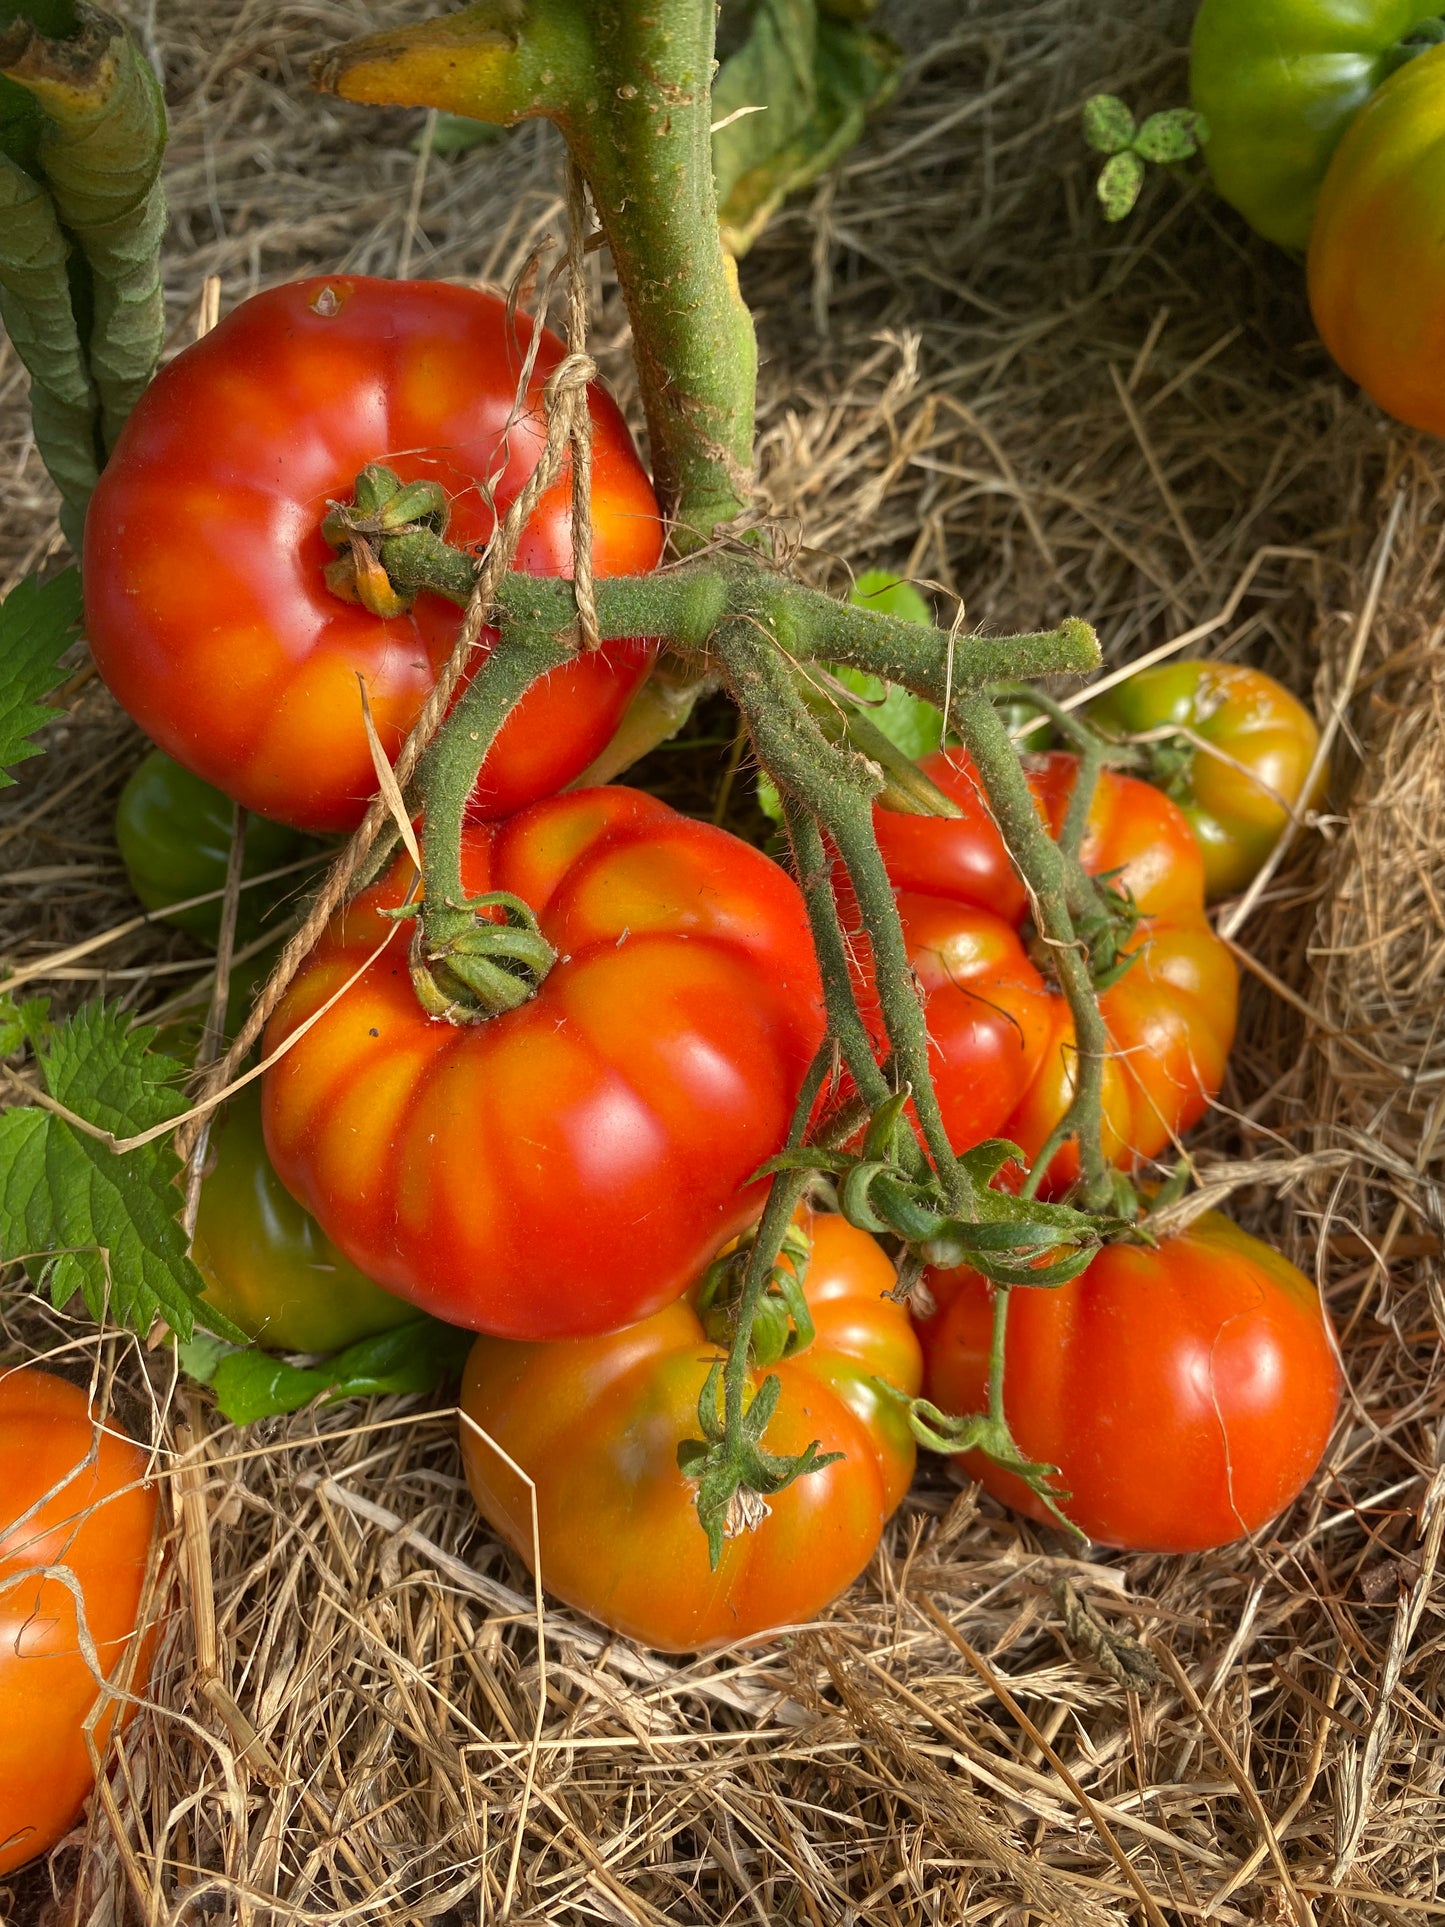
(1186, 1392)
(1004, 1052)
(73, 1497)
(596, 1423)
(1377, 254)
(205, 596)
(568, 1166)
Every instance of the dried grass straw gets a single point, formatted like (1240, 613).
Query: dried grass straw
(968, 377)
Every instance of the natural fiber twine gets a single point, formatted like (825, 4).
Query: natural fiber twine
(968, 376)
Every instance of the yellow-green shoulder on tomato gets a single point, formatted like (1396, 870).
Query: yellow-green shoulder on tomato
(267, 1264)
(1230, 745)
(1377, 250)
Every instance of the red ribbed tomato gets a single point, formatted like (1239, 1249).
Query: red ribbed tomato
(205, 594)
(1004, 1053)
(1185, 1392)
(596, 1424)
(72, 1498)
(566, 1167)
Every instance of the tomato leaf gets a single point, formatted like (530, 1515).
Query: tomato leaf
(251, 1384)
(80, 1216)
(791, 97)
(38, 623)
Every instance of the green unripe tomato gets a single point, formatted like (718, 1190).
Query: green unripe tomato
(267, 1264)
(1278, 81)
(1239, 799)
(174, 833)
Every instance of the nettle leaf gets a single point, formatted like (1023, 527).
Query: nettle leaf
(791, 97)
(38, 623)
(1119, 184)
(1173, 135)
(79, 1216)
(1108, 125)
(251, 1384)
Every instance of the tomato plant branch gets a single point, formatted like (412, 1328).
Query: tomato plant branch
(631, 90)
(1046, 871)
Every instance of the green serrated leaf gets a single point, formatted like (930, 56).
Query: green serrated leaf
(1119, 184)
(1172, 135)
(1108, 125)
(81, 1217)
(251, 1384)
(22, 1024)
(38, 623)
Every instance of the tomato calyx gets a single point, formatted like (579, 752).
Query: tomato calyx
(989, 1434)
(735, 1481)
(382, 505)
(486, 967)
(782, 1324)
(1009, 1239)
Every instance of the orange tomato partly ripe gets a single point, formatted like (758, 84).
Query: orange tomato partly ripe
(596, 1424)
(1233, 749)
(73, 1498)
(206, 601)
(1377, 247)
(1186, 1393)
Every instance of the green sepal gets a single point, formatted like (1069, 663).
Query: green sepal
(940, 1431)
(721, 1479)
(250, 1383)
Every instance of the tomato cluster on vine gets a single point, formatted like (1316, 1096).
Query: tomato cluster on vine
(545, 1128)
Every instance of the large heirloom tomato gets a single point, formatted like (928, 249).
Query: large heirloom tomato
(268, 1265)
(568, 1166)
(1004, 1056)
(1185, 1392)
(71, 1497)
(1277, 82)
(1230, 745)
(205, 594)
(596, 1423)
(1377, 249)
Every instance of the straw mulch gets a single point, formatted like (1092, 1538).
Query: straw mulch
(969, 377)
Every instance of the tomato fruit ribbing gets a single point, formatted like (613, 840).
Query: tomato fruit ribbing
(596, 1423)
(567, 1166)
(206, 599)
